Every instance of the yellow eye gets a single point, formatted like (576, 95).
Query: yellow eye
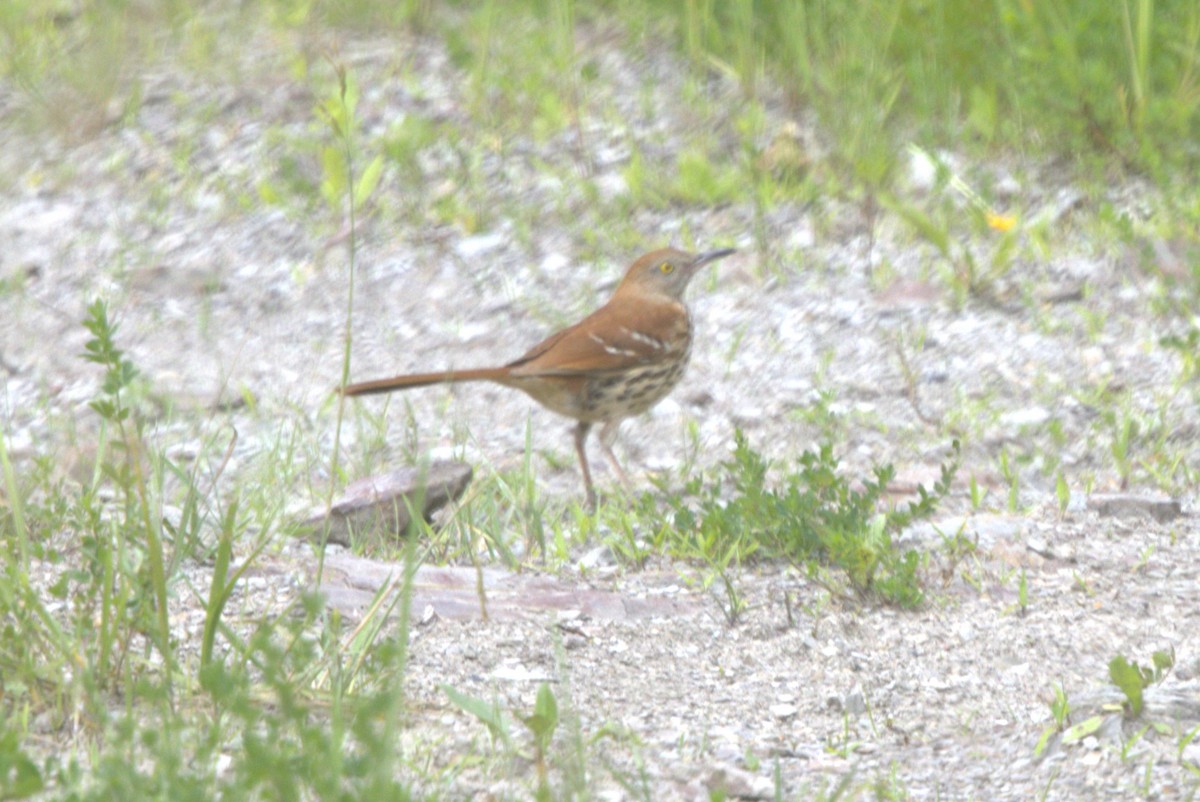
(666, 267)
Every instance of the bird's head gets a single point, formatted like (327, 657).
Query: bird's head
(666, 272)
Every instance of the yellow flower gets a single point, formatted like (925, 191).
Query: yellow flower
(1001, 222)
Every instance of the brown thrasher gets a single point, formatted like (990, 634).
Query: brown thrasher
(618, 361)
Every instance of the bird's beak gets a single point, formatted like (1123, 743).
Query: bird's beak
(710, 256)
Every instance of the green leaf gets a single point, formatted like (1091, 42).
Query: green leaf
(1128, 677)
(1063, 492)
(219, 589)
(333, 112)
(333, 172)
(936, 235)
(487, 712)
(1044, 741)
(368, 181)
(1163, 661)
(1082, 730)
(19, 775)
(544, 720)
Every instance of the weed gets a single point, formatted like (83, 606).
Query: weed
(1060, 712)
(973, 270)
(1184, 743)
(542, 723)
(1062, 492)
(488, 713)
(904, 342)
(1009, 472)
(977, 493)
(817, 514)
(1133, 679)
(129, 476)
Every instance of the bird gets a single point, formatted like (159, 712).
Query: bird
(617, 362)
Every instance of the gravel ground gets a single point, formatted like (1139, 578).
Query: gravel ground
(223, 297)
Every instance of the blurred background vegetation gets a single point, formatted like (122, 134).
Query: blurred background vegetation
(1113, 84)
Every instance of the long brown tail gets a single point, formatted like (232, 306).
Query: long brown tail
(424, 380)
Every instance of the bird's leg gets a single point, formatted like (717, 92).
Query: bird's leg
(581, 433)
(608, 434)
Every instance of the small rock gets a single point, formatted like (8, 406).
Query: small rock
(517, 672)
(855, 704)
(801, 238)
(909, 293)
(783, 711)
(383, 501)
(739, 784)
(554, 263)
(471, 247)
(922, 170)
(1066, 201)
(1126, 505)
(462, 593)
(1110, 731)
(985, 530)
(1188, 669)
(1061, 293)
(1020, 418)
(597, 557)
(1007, 186)
(611, 185)
(1041, 547)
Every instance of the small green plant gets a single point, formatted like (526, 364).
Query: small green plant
(816, 514)
(844, 744)
(344, 190)
(1133, 679)
(1187, 347)
(129, 476)
(973, 270)
(703, 180)
(958, 547)
(489, 714)
(1060, 713)
(20, 777)
(1022, 593)
(1184, 743)
(977, 493)
(735, 603)
(1062, 492)
(341, 186)
(904, 342)
(1008, 471)
(1125, 431)
(542, 723)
